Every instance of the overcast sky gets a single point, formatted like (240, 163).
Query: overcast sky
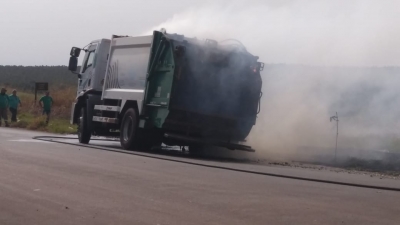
(316, 32)
(41, 32)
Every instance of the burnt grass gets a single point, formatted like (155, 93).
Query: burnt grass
(389, 165)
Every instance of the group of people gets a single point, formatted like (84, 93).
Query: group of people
(11, 102)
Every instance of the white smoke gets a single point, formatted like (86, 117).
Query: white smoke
(316, 32)
(341, 42)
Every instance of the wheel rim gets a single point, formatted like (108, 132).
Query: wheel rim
(128, 129)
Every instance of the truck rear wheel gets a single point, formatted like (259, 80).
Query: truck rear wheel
(129, 130)
(83, 131)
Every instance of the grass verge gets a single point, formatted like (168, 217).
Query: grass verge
(56, 125)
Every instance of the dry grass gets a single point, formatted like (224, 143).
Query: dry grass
(37, 124)
(30, 114)
(61, 109)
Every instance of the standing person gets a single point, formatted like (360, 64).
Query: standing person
(4, 102)
(14, 101)
(47, 103)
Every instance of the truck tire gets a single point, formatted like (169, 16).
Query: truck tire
(129, 130)
(83, 131)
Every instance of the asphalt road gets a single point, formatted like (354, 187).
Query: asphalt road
(50, 183)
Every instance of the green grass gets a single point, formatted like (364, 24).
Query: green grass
(56, 125)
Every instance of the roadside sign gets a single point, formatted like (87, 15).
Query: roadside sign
(40, 86)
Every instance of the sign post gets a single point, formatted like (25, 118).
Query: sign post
(336, 118)
(40, 86)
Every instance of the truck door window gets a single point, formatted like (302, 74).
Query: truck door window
(89, 61)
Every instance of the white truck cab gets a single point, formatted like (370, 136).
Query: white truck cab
(93, 67)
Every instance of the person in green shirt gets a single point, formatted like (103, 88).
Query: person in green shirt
(4, 103)
(47, 103)
(13, 102)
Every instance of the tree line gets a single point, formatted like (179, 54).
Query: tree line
(24, 77)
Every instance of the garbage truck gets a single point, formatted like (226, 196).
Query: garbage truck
(166, 88)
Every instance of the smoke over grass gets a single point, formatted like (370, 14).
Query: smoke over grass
(321, 57)
(299, 100)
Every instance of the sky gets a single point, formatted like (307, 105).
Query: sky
(41, 32)
(313, 32)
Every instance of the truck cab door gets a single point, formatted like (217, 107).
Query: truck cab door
(88, 68)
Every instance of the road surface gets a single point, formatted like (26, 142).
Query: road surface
(51, 183)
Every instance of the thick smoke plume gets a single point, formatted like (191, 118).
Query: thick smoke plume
(321, 57)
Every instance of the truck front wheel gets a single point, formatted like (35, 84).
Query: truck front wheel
(128, 130)
(83, 131)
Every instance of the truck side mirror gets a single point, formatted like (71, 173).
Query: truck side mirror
(75, 51)
(73, 63)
